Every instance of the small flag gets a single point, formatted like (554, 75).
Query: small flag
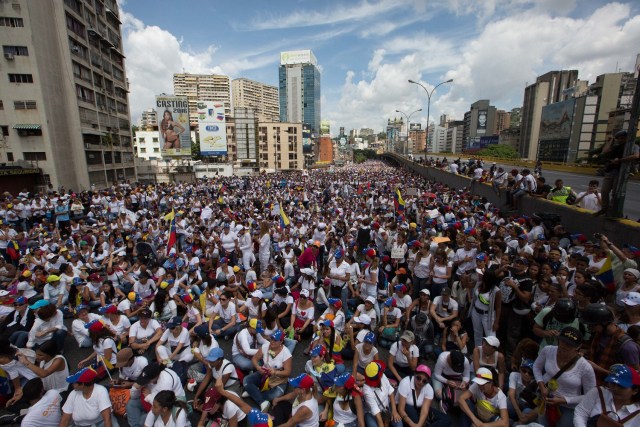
(284, 220)
(605, 276)
(172, 232)
(399, 201)
(170, 216)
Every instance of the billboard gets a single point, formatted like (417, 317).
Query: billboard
(173, 124)
(415, 126)
(297, 57)
(212, 128)
(482, 121)
(556, 120)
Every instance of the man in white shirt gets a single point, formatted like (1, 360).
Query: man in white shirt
(590, 199)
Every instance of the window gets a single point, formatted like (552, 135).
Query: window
(35, 156)
(156, 150)
(81, 72)
(10, 157)
(21, 78)
(74, 25)
(78, 49)
(5, 130)
(16, 50)
(143, 150)
(1, 105)
(155, 139)
(24, 105)
(11, 22)
(84, 94)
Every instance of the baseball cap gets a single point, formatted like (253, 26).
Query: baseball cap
(95, 325)
(527, 363)
(255, 418)
(401, 270)
(39, 304)
(424, 369)
(522, 261)
(108, 309)
(26, 273)
(302, 381)
(327, 323)
(94, 277)
(336, 302)
(623, 375)
(445, 291)
(318, 350)
(53, 278)
(20, 301)
(277, 335)
(304, 293)
(407, 336)
(632, 299)
(187, 298)
(257, 325)
(492, 341)
(215, 354)
(426, 292)
(571, 336)
(175, 321)
(370, 299)
(123, 357)
(457, 360)
(364, 318)
(390, 302)
(373, 372)
(370, 252)
(145, 312)
(84, 375)
(81, 307)
(149, 372)
(483, 376)
(344, 380)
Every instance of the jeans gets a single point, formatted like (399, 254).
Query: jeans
(419, 283)
(370, 420)
(437, 418)
(290, 344)
(239, 361)
(19, 338)
(512, 411)
(135, 412)
(219, 324)
(252, 386)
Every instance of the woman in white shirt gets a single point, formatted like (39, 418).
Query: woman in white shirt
(48, 325)
(414, 397)
(578, 376)
(174, 345)
(104, 345)
(303, 412)
(88, 403)
(50, 366)
(144, 333)
(490, 402)
(167, 411)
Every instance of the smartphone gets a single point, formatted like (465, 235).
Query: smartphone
(597, 236)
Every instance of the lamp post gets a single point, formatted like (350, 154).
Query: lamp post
(429, 93)
(408, 118)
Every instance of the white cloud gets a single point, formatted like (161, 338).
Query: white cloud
(495, 64)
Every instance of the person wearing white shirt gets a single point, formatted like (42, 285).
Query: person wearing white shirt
(452, 368)
(167, 411)
(44, 410)
(174, 345)
(414, 398)
(590, 199)
(88, 403)
(246, 344)
(378, 395)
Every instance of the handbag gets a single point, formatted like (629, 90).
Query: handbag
(552, 412)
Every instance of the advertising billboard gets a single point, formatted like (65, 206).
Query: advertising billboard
(556, 120)
(297, 57)
(173, 124)
(415, 126)
(482, 121)
(212, 128)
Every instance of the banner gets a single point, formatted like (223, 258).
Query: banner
(173, 126)
(212, 128)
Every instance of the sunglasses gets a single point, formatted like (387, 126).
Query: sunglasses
(224, 299)
(421, 379)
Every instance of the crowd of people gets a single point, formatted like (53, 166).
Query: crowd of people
(361, 296)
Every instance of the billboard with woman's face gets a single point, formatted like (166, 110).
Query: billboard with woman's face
(173, 126)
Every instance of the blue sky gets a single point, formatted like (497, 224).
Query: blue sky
(368, 49)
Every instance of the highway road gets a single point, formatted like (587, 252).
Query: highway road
(578, 182)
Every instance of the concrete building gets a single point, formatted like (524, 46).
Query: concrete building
(418, 138)
(280, 146)
(510, 137)
(64, 103)
(202, 87)
(445, 119)
(479, 121)
(503, 121)
(325, 150)
(149, 120)
(549, 88)
(394, 128)
(454, 139)
(437, 138)
(614, 92)
(263, 98)
(147, 145)
(299, 83)
(245, 138)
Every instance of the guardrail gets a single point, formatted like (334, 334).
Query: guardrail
(575, 220)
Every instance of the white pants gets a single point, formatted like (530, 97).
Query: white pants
(163, 352)
(481, 327)
(248, 258)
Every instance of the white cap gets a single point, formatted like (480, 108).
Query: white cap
(492, 341)
(257, 294)
(305, 293)
(371, 299)
(483, 376)
(632, 299)
(364, 318)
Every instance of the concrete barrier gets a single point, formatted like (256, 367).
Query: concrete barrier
(574, 219)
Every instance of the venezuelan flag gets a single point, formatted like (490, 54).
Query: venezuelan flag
(399, 201)
(605, 276)
(284, 220)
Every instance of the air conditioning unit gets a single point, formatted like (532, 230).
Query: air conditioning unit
(9, 56)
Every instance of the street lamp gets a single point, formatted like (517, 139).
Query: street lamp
(426, 144)
(408, 118)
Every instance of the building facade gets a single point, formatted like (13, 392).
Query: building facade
(280, 146)
(299, 84)
(549, 88)
(202, 87)
(149, 119)
(479, 121)
(65, 107)
(454, 139)
(263, 98)
(325, 150)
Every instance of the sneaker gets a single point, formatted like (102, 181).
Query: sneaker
(265, 406)
(245, 394)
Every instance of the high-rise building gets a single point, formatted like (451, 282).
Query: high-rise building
(246, 137)
(260, 97)
(299, 79)
(202, 87)
(280, 146)
(614, 92)
(503, 121)
(549, 88)
(65, 107)
(148, 119)
(454, 139)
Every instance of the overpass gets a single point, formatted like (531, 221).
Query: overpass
(575, 220)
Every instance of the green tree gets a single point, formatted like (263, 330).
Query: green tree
(195, 149)
(360, 156)
(499, 151)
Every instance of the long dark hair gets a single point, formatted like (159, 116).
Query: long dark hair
(160, 300)
(167, 399)
(164, 124)
(103, 333)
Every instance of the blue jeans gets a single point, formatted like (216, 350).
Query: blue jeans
(513, 416)
(19, 338)
(219, 324)
(436, 418)
(252, 386)
(135, 412)
(239, 361)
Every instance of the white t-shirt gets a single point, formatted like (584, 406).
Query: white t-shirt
(499, 401)
(78, 329)
(85, 412)
(589, 201)
(225, 313)
(365, 359)
(274, 362)
(226, 368)
(104, 344)
(177, 420)
(407, 388)
(173, 341)
(123, 324)
(399, 357)
(133, 372)
(230, 409)
(139, 332)
(45, 412)
(373, 394)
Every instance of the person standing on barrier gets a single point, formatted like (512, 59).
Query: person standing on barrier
(613, 152)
